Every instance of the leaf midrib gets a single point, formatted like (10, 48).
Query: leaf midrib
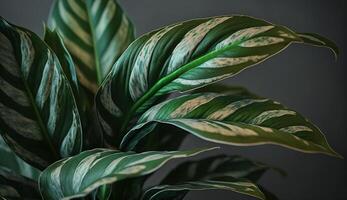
(96, 57)
(40, 122)
(168, 79)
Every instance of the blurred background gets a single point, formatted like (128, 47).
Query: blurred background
(304, 78)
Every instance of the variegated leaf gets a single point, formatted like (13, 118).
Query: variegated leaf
(95, 32)
(166, 138)
(11, 161)
(14, 186)
(39, 119)
(79, 175)
(55, 42)
(177, 192)
(182, 57)
(234, 120)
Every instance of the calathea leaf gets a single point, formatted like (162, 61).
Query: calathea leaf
(166, 138)
(14, 186)
(178, 191)
(92, 137)
(79, 175)
(39, 119)
(217, 166)
(234, 120)
(55, 42)
(182, 57)
(95, 33)
(234, 168)
(11, 161)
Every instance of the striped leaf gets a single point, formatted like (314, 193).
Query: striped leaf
(177, 192)
(11, 161)
(55, 42)
(14, 186)
(38, 114)
(166, 138)
(79, 175)
(234, 120)
(95, 32)
(186, 56)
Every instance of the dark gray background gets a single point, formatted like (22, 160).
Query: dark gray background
(304, 78)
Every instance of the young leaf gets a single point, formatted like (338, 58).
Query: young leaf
(14, 186)
(178, 191)
(11, 161)
(182, 57)
(54, 41)
(79, 175)
(95, 33)
(234, 120)
(39, 119)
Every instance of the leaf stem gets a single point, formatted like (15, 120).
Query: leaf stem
(166, 80)
(41, 124)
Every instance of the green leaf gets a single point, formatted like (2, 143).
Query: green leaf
(54, 41)
(39, 119)
(228, 167)
(233, 120)
(13, 186)
(11, 161)
(317, 40)
(226, 89)
(79, 175)
(217, 166)
(183, 57)
(95, 33)
(177, 192)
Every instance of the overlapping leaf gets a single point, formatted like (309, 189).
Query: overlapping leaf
(217, 166)
(79, 175)
(11, 161)
(95, 32)
(183, 57)
(39, 119)
(234, 120)
(55, 42)
(177, 192)
(14, 186)
(201, 175)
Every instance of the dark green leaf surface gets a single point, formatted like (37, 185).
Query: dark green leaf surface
(177, 192)
(11, 161)
(55, 42)
(95, 33)
(217, 166)
(14, 186)
(79, 175)
(234, 120)
(231, 168)
(39, 119)
(182, 57)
